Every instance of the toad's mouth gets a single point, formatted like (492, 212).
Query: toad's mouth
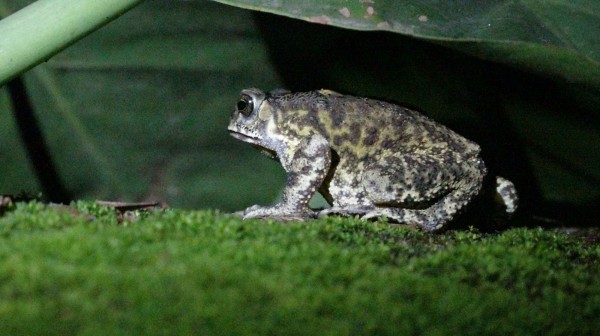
(243, 137)
(256, 143)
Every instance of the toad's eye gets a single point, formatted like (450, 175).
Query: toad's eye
(245, 105)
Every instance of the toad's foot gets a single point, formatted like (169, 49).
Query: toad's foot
(278, 212)
(416, 218)
(369, 213)
(345, 211)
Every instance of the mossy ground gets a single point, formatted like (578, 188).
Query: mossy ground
(201, 272)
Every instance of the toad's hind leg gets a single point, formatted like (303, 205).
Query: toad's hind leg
(422, 190)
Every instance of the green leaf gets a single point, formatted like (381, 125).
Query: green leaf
(45, 27)
(558, 38)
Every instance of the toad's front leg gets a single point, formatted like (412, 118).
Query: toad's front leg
(306, 164)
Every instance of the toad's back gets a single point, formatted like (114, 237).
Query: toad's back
(364, 126)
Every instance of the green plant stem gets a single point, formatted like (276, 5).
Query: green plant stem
(42, 29)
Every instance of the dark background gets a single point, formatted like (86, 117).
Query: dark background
(138, 110)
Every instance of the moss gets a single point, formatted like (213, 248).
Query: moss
(177, 272)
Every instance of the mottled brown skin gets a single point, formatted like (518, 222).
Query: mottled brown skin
(366, 157)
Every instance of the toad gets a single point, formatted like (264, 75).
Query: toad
(367, 158)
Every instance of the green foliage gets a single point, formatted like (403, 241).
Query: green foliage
(182, 272)
(558, 38)
(44, 28)
(138, 110)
